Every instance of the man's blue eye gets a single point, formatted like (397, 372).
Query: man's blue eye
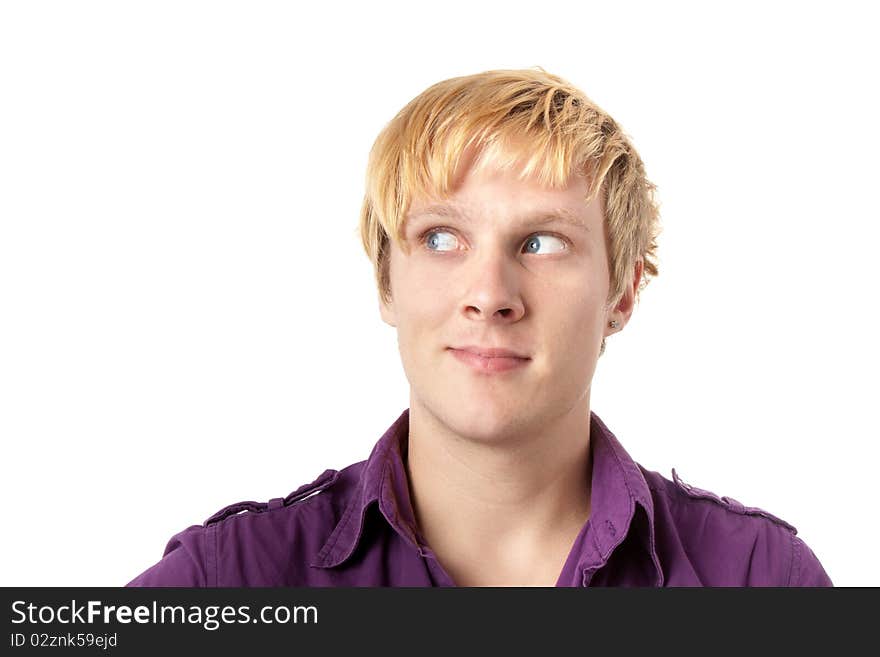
(434, 241)
(538, 239)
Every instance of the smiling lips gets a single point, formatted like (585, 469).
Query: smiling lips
(489, 360)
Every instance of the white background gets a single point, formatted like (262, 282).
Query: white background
(187, 318)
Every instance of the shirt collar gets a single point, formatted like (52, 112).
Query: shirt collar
(383, 480)
(617, 487)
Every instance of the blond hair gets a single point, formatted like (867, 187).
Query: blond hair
(529, 117)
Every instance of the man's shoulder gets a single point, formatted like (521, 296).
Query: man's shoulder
(323, 487)
(722, 541)
(262, 533)
(689, 499)
(320, 501)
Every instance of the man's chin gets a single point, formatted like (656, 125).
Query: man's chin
(483, 423)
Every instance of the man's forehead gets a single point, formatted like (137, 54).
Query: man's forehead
(469, 212)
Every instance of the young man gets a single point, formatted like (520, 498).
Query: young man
(511, 227)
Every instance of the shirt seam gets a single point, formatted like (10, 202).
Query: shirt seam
(795, 567)
(211, 569)
(247, 513)
(737, 508)
(681, 496)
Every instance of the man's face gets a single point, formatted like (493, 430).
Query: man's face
(485, 270)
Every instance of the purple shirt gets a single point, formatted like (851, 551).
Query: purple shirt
(356, 527)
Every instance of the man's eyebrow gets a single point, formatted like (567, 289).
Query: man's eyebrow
(535, 217)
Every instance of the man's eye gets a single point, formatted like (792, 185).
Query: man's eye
(435, 241)
(537, 241)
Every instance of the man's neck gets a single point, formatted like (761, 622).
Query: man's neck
(503, 511)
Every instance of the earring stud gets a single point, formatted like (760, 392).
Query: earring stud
(613, 323)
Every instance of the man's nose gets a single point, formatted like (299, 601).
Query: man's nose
(493, 288)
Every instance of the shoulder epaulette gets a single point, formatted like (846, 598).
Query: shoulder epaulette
(327, 478)
(728, 502)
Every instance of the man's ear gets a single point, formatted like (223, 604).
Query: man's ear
(624, 308)
(386, 310)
